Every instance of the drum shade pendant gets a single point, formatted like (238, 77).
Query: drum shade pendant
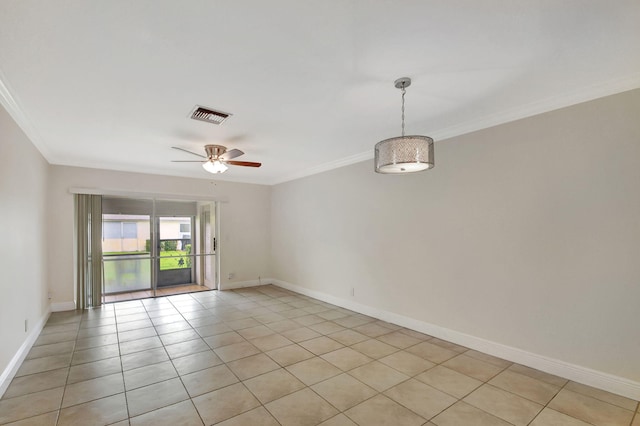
(404, 154)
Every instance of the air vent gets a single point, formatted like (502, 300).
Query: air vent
(209, 115)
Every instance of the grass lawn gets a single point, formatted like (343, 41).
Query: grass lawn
(174, 262)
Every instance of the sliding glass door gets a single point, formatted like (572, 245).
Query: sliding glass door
(175, 263)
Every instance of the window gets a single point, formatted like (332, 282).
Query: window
(185, 227)
(120, 230)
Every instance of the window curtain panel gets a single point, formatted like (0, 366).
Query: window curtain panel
(88, 227)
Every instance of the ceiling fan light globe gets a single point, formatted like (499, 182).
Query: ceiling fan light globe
(215, 166)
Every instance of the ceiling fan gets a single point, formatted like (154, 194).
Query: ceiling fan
(217, 158)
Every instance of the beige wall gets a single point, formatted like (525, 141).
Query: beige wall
(526, 234)
(23, 254)
(244, 222)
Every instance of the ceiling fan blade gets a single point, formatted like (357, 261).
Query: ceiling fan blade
(182, 149)
(244, 163)
(188, 161)
(231, 154)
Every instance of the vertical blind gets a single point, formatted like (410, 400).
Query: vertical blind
(88, 253)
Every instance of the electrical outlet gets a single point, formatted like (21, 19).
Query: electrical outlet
(353, 291)
(26, 325)
(231, 275)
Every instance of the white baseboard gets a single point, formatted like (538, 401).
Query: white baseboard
(63, 306)
(15, 363)
(242, 284)
(608, 382)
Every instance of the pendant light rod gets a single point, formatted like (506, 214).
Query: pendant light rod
(402, 84)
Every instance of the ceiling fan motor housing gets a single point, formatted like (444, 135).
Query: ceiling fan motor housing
(214, 151)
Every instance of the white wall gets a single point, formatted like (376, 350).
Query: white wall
(244, 222)
(23, 252)
(526, 234)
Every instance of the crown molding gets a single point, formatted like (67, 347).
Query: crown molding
(16, 112)
(553, 103)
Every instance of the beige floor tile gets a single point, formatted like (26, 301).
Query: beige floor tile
(213, 329)
(89, 390)
(301, 408)
(372, 330)
(186, 348)
(353, 321)
(271, 386)
(636, 420)
(415, 334)
(420, 398)
(327, 327)
(539, 375)
(549, 417)
(332, 314)
(378, 376)
(339, 420)
(461, 414)
(284, 325)
(47, 419)
(289, 355)
(448, 345)
(498, 362)
(39, 365)
(241, 324)
(525, 386)
(92, 342)
(431, 352)
(147, 357)
(473, 367)
(321, 345)
(620, 401)
(207, 380)
(137, 334)
(236, 351)
(92, 370)
(273, 341)
(29, 405)
(138, 345)
(61, 348)
(101, 411)
(178, 337)
(254, 332)
(382, 411)
(449, 381)
(223, 339)
(149, 375)
(46, 339)
(158, 395)
(407, 363)
(346, 358)
(222, 404)
(399, 340)
(95, 354)
(589, 409)
(182, 413)
(36, 382)
(252, 366)
(343, 391)
(198, 361)
(313, 370)
(300, 334)
(505, 405)
(348, 337)
(374, 348)
(256, 417)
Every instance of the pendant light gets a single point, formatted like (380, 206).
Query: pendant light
(404, 154)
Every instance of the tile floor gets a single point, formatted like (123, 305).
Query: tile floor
(143, 294)
(265, 356)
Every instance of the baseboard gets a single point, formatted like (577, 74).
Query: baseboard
(242, 284)
(63, 306)
(21, 354)
(608, 382)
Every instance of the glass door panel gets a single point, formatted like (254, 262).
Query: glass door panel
(175, 255)
(126, 250)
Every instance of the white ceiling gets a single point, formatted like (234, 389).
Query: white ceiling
(109, 84)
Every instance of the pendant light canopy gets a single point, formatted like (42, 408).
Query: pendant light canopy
(404, 154)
